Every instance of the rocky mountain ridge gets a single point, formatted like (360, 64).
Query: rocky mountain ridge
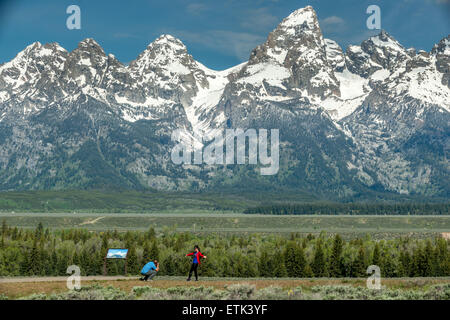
(374, 117)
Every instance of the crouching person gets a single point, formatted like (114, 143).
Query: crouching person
(150, 270)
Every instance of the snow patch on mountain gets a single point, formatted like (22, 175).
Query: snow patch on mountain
(207, 98)
(265, 72)
(353, 90)
(351, 85)
(426, 85)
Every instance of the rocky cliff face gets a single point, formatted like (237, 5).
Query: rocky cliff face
(401, 128)
(372, 118)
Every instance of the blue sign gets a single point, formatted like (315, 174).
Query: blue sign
(117, 254)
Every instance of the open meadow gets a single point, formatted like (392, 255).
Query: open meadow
(348, 226)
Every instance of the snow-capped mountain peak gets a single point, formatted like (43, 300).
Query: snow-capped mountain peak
(89, 43)
(293, 60)
(31, 69)
(170, 42)
(166, 54)
(384, 39)
(380, 52)
(300, 20)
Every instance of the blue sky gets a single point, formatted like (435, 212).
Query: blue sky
(218, 33)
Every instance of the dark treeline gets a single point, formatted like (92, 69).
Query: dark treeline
(42, 252)
(353, 209)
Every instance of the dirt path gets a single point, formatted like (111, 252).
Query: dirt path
(64, 279)
(91, 221)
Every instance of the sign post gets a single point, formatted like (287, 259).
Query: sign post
(115, 254)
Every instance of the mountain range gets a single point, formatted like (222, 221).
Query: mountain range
(371, 119)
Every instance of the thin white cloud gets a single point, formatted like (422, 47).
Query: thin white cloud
(259, 19)
(196, 8)
(238, 44)
(333, 24)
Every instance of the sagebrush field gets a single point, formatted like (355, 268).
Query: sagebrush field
(233, 289)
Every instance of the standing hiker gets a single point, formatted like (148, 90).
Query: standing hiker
(197, 255)
(149, 270)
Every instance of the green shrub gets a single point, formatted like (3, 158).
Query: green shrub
(139, 291)
(190, 293)
(246, 291)
(155, 294)
(438, 292)
(35, 296)
(94, 292)
(178, 293)
(242, 291)
(277, 293)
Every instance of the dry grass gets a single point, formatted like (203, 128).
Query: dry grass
(446, 235)
(21, 289)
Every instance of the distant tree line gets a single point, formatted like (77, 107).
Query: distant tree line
(42, 252)
(353, 209)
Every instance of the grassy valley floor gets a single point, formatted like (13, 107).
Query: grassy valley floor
(380, 227)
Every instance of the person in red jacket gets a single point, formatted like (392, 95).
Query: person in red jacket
(197, 256)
